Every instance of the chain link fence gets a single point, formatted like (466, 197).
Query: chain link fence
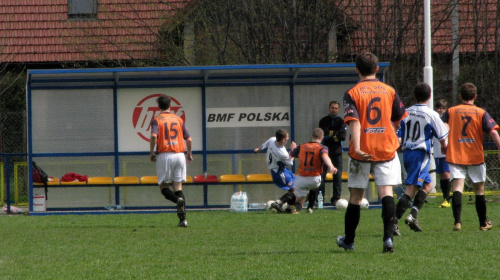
(13, 152)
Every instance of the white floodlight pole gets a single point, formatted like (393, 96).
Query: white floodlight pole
(428, 72)
(427, 50)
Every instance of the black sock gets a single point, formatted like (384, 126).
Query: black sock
(418, 202)
(388, 208)
(291, 197)
(182, 216)
(169, 194)
(481, 209)
(288, 197)
(456, 205)
(403, 204)
(180, 194)
(311, 198)
(445, 188)
(351, 219)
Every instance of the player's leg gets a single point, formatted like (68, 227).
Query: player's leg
(337, 179)
(412, 219)
(181, 204)
(311, 199)
(405, 201)
(387, 175)
(288, 198)
(423, 186)
(301, 189)
(359, 173)
(165, 176)
(286, 180)
(419, 200)
(443, 169)
(457, 175)
(478, 176)
(351, 219)
(484, 224)
(412, 161)
(388, 209)
(178, 166)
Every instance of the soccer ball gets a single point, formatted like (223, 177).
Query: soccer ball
(365, 204)
(341, 204)
(284, 206)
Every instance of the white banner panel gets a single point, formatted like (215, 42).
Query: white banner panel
(247, 116)
(137, 107)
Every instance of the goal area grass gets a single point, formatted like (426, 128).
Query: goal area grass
(252, 245)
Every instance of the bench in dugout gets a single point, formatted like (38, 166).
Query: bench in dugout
(250, 182)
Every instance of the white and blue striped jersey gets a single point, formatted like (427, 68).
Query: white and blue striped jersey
(276, 157)
(419, 128)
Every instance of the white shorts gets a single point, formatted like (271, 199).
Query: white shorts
(171, 167)
(386, 173)
(303, 184)
(477, 173)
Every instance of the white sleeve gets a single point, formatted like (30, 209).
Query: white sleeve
(439, 126)
(266, 144)
(285, 156)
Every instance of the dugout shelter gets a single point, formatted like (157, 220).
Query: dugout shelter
(95, 122)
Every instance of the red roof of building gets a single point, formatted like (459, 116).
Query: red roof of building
(40, 31)
(398, 26)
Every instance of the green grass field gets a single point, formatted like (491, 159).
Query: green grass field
(253, 245)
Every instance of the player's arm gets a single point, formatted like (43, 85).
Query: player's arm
(294, 150)
(444, 145)
(293, 145)
(153, 140)
(496, 139)
(260, 148)
(152, 145)
(328, 162)
(356, 140)
(189, 155)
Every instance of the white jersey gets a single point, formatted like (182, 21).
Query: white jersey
(419, 128)
(436, 146)
(276, 157)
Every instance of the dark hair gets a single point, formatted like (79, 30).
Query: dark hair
(281, 134)
(333, 102)
(164, 102)
(441, 103)
(366, 64)
(422, 92)
(317, 133)
(468, 91)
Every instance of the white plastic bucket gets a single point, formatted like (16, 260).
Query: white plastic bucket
(39, 203)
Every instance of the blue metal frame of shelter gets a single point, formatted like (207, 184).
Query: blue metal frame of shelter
(196, 76)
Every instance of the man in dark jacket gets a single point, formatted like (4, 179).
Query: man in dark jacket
(335, 132)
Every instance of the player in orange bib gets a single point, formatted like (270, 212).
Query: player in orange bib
(372, 109)
(465, 152)
(312, 156)
(168, 133)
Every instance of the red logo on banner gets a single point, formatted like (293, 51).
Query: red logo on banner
(147, 109)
